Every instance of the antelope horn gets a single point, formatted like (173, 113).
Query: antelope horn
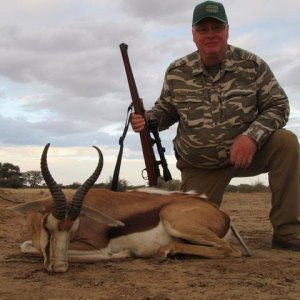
(60, 204)
(84, 188)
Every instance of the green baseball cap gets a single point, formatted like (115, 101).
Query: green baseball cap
(209, 9)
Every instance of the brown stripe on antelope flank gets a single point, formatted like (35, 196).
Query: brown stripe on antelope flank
(136, 223)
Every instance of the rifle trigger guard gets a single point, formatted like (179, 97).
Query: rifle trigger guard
(143, 172)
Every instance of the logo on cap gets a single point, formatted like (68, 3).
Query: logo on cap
(212, 8)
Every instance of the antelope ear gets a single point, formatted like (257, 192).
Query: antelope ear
(100, 217)
(30, 207)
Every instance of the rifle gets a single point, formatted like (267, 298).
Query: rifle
(152, 165)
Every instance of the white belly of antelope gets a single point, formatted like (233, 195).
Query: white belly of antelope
(142, 244)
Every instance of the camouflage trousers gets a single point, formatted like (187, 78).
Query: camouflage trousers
(280, 158)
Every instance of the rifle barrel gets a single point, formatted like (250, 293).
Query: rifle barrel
(148, 153)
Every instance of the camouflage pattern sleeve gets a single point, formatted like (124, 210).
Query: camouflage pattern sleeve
(273, 106)
(164, 112)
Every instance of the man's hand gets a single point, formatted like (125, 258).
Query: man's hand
(137, 122)
(242, 151)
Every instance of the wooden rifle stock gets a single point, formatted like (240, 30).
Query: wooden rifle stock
(149, 156)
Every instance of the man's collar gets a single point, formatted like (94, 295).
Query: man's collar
(199, 67)
(227, 64)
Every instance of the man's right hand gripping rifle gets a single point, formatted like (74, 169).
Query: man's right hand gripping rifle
(138, 122)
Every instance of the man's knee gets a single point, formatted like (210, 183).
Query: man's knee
(282, 148)
(285, 139)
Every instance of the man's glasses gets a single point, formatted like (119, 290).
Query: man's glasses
(206, 29)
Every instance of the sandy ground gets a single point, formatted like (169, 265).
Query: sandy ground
(268, 274)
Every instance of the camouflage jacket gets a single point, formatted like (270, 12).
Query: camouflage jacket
(244, 98)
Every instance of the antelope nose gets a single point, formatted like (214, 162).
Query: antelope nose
(59, 267)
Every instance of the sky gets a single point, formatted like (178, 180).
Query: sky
(62, 78)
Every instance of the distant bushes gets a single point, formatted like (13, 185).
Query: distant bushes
(247, 188)
(11, 177)
(174, 185)
(241, 188)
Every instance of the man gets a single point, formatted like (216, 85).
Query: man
(230, 111)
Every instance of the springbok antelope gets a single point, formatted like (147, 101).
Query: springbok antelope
(113, 225)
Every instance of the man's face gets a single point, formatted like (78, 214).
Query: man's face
(210, 37)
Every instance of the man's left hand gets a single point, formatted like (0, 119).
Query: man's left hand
(242, 151)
